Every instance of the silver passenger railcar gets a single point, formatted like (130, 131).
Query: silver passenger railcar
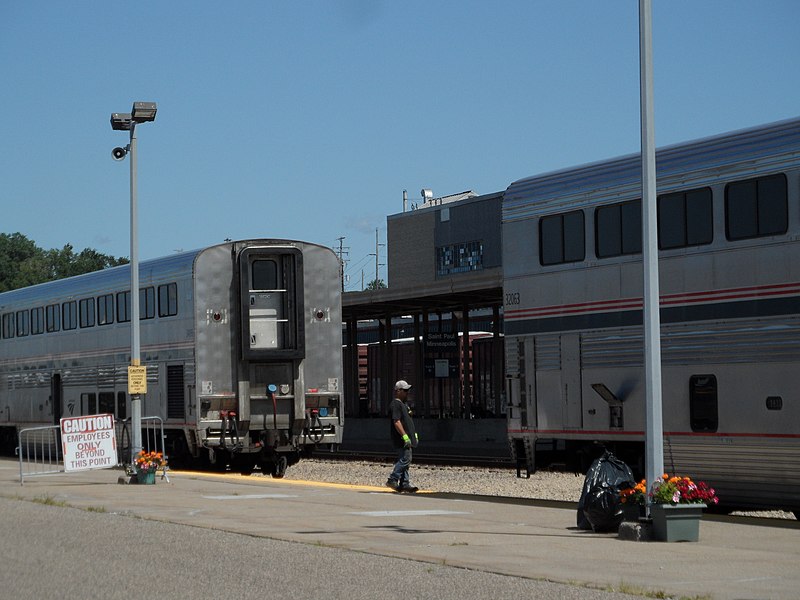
(242, 344)
(729, 261)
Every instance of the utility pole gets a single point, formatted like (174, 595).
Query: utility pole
(377, 264)
(342, 261)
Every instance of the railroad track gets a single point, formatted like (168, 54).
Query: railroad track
(450, 460)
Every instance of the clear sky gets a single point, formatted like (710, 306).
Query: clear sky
(308, 119)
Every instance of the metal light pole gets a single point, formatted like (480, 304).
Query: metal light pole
(654, 434)
(142, 112)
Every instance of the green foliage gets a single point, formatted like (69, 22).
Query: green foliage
(23, 263)
(376, 284)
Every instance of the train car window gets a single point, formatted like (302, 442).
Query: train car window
(69, 315)
(168, 300)
(86, 310)
(122, 406)
(53, 316)
(123, 307)
(37, 320)
(88, 404)
(8, 326)
(703, 411)
(618, 229)
(562, 238)
(22, 323)
(105, 309)
(756, 207)
(147, 303)
(685, 219)
(264, 275)
(106, 403)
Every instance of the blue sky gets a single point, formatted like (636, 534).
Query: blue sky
(308, 119)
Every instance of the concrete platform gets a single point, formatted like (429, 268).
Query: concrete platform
(731, 561)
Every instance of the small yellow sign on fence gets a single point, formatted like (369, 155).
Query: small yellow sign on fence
(137, 380)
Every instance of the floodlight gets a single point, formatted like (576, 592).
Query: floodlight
(143, 112)
(121, 121)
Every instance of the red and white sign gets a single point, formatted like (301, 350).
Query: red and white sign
(88, 442)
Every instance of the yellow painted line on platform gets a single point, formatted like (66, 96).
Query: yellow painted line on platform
(245, 479)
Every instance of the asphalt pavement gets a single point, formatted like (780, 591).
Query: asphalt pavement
(203, 535)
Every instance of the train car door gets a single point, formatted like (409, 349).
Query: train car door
(572, 402)
(56, 397)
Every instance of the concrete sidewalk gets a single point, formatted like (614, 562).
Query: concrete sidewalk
(731, 561)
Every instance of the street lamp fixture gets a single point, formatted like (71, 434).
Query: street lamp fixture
(142, 112)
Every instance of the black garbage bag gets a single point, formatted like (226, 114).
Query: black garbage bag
(599, 508)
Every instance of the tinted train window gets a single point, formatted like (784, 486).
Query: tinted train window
(8, 325)
(88, 404)
(685, 219)
(618, 229)
(147, 303)
(86, 307)
(22, 323)
(756, 207)
(122, 412)
(105, 309)
(69, 315)
(53, 315)
(106, 403)
(703, 414)
(168, 300)
(37, 320)
(123, 307)
(265, 275)
(561, 238)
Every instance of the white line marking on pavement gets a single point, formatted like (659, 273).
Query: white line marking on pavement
(408, 513)
(249, 496)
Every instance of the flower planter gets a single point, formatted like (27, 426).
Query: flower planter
(146, 477)
(676, 522)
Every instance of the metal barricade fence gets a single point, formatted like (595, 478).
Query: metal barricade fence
(39, 452)
(152, 441)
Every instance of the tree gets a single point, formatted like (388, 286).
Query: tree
(376, 284)
(23, 263)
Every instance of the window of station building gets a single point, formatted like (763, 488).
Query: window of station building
(53, 316)
(147, 303)
(86, 308)
(756, 207)
(168, 299)
(37, 320)
(9, 328)
(69, 315)
(618, 229)
(264, 275)
(562, 238)
(459, 258)
(22, 323)
(703, 413)
(105, 309)
(123, 307)
(685, 219)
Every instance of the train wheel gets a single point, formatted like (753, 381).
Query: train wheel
(279, 468)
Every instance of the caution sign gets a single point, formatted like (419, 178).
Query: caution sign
(88, 442)
(137, 380)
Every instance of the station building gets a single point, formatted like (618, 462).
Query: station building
(438, 325)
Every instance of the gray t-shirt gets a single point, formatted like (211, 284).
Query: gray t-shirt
(399, 411)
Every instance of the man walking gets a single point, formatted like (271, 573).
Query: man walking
(404, 437)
